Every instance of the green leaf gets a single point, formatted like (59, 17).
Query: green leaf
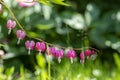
(44, 26)
(117, 60)
(22, 71)
(40, 61)
(1, 70)
(33, 34)
(2, 45)
(60, 2)
(10, 71)
(46, 2)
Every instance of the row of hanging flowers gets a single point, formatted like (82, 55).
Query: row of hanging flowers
(43, 47)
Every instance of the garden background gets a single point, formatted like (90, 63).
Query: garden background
(82, 23)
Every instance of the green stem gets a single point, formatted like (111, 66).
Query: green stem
(49, 65)
(49, 70)
(68, 36)
(83, 43)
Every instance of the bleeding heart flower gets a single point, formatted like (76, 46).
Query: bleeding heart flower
(10, 25)
(29, 45)
(82, 57)
(59, 54)
(40, 46)
(51, 50)
(94, 55)
(93, 52)
(26, 3)
(71, 54)
(88, 52)
(20, 35)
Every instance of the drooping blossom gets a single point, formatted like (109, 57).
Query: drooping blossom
(88, 52)
(40, 46)
(82, 57)
(51, 50)
(20, 35)
(26, 3)
(94, 55)
(71, 54)
(29, 45)
(0, 8)
(93, 52)
(10, 25)
(59, 54)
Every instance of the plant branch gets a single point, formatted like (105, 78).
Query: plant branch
(39, 39)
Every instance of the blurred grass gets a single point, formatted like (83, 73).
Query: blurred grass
(90, 70)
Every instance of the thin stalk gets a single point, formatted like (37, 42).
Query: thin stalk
(49, 65)
(83, 46)
(68, 44)
(68, 36)
(83, 43)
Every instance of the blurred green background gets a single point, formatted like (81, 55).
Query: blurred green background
(94, 23)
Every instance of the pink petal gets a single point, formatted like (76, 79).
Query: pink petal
(26, 3)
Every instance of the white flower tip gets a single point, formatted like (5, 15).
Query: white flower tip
(18, 42)
(71, 60)
(82, 61)
(39, 53)
(59, 60)
(88, 57)
(9, 31)
(93, 57)
(29, 52)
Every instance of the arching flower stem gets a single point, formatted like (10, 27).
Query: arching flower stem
(39, 39)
